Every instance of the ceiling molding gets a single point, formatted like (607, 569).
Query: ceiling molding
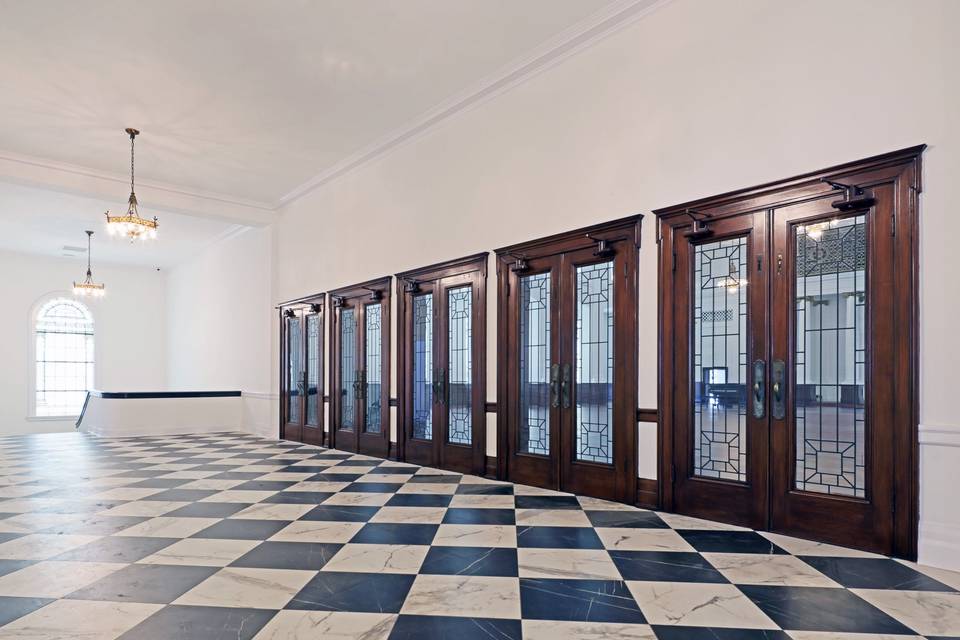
(568, 43)
(84, 181)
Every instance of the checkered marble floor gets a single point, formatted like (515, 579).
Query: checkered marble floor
(232, 536)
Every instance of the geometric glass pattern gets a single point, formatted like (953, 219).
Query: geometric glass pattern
(423, 367)
(830, 353)
(535, 364)
(594, 344)
(372, 350)
(313, 367)
(294, 369)
(64, 357)
(348, 370)
(720, 359)
(460, 373)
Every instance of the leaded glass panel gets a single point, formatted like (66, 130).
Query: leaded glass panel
(720, 359)
(535, 364)
(294, 369)
(594, 359)
(374, 340)
(313, 368)
(423, 367)
(460, 371)
(348, 369)
(830, 356)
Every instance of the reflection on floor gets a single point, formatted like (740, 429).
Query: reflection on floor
(232, 536)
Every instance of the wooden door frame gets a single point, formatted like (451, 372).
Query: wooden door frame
(306, 304)
(627, 229)
(361, 293)
(475, 263)
(903, 166)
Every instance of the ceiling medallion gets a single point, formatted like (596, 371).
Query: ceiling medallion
(132, 225)
(88, 287)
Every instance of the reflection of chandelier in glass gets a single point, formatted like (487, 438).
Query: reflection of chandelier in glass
(132, 225)
(88, 287)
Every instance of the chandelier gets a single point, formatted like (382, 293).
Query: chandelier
(132, 225)
(88, 287)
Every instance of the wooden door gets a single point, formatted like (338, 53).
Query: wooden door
(834, 371)
(312, 429)
(719, 305)
(568, 365)
(293, 391)
(419, 411)
(360, 368)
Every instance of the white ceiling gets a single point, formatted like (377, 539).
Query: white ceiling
(248, 98)
(41, 221)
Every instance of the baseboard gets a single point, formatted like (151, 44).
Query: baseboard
(491, 471)
(648, 495)
(939, 545)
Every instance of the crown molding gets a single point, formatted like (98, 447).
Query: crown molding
(568, 43)
(84, 181)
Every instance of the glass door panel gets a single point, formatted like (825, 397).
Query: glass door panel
(537, 372)
(313, 365)
(372, 370)
(295, 384)
(594, 363)
(459, 375)
(423, 371)
(348, 369)
(720, 345)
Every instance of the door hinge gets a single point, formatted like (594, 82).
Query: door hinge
(508, 289)
(759, 263)
(674, 261)
(893, 222)
(673, 473)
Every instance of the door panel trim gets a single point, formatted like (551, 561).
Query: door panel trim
(902, 169)
(303, 307)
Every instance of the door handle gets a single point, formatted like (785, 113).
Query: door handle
(759, 388)
(565, 387)
(555, 385)
(779, 405)
(442, 386)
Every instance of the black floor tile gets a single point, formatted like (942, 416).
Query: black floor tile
(9, 566)
(335, 477)
(579, 600)
(821, 609)
(236, 475)
(372, 487)
(874, 573)
(389, 469)
(160, 483)
(729, 541)
(298, 497)
(479, 516)
(363, 592)
(419, 500)
(208, 510)
(626, 519)
(435, 479)
(546, 502)
(558, 538)
(384, 533)
(117, 549)
(237, 529)
(430, 627)
(665, 566)
(288, 555)
(263, 485)
(180, 622)
(470, 561)
(336, 513)
(13, 608)
(155, 583)
(485, 489)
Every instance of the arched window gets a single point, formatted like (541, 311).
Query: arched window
(63, 333)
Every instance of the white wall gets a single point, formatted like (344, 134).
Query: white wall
(696, 99)
(219, 312)
(129, 330)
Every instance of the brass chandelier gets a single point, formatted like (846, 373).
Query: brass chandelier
(88, 287)
(132, 225)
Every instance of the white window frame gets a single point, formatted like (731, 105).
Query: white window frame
(32, 355)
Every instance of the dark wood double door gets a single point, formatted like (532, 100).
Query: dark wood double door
(442, 356)
(788, 354)
(360, 368)
(301, 370)
(567, 365)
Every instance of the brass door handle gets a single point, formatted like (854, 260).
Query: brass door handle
(565, 386)
(779, 405)
(759, 384)
(555, 385)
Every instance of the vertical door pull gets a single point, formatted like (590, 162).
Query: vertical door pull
(555, 385)
(778, 390)
(565, 386)
(759, 388)
(442, 387)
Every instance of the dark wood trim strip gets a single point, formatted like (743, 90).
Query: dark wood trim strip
(394, 402)
(140, 395)
(315, 297)
(491, 467)
(647, 415)
(648, 495)
(490, 407)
